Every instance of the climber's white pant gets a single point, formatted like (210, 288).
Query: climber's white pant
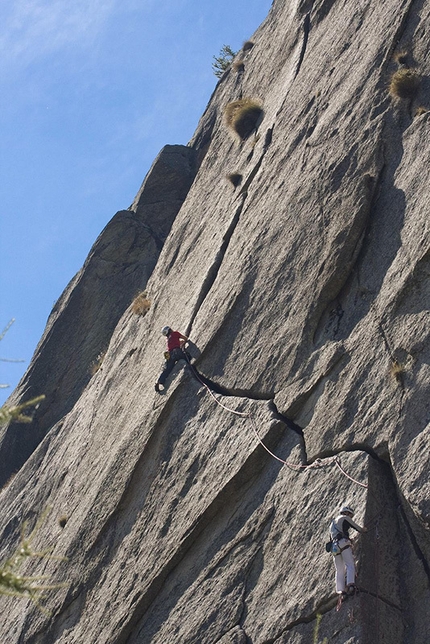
(344, 562)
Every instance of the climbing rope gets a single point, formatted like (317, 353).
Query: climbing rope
(337, 462)
(377, 580)
(317, 464)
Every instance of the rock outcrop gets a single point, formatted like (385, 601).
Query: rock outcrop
(305, 292)
(83, 320)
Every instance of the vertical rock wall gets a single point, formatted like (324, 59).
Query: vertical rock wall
(305, 293)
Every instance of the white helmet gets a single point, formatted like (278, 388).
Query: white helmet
(345, 509)
(165, 330)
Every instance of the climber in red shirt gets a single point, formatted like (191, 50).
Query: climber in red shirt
(175, 352)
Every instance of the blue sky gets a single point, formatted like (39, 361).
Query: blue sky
(90, 91)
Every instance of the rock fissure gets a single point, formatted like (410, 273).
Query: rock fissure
(304, 287)
(322, 609)
(253, 173)
(242, 393)
(284, 419)
(378, 597)
(414, 541)
(225, 391)
(360, 447)
(290, 424)
(145, 601)
(402, 27)
(306, 30)
(213, 271)
(352, 447)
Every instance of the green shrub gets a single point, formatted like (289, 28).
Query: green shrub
(13, 583)
(223, 61)
(243, 115)
(404, 83)
(19, 414)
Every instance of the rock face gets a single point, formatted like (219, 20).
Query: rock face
(305, 291)
(83, 320)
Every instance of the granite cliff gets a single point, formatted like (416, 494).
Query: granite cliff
(305, 292)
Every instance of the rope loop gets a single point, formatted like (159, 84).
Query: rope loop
(317, 464)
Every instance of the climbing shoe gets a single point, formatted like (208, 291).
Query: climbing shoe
(157, 388)
(351, 589)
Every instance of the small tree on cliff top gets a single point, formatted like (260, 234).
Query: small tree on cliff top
(223, 61)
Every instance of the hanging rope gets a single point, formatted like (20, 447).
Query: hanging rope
(336, 460)
(377, 580)
(317, 464)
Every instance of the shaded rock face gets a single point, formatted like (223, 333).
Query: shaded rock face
(305, 292)
(84, 318)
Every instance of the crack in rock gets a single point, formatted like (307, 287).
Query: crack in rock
(213, 271)
(306, 30)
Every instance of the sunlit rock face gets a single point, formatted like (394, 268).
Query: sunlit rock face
(305, 292)
(81, 324)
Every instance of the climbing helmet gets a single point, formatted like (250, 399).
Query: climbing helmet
(347, 508)
(165, 330)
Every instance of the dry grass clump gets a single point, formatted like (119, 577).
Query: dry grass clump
(97, 363)
(235, 178)
(421, 110)
(141, 304)
(397, 371)
(62, 521)
(238, 65)
(404, 83)
(243, 115)
(401, 57)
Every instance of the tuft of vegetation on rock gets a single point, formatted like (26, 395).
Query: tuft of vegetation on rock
(397, 371)
(19, 414)
(243, 115)
(62, 521)
(238, 65)
(14, 584)
(97, 363)
(141, 304)
(404, 83)
(223, 61)
(401, 57)
(247, 45)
